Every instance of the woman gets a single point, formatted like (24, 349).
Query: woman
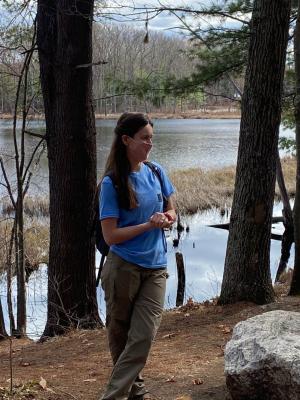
(134, 274)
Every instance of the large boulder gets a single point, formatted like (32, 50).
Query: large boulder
(262, 359)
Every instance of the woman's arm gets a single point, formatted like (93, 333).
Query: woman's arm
(170, 211)
(113, 235)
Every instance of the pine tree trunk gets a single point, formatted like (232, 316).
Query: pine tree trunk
(247, 264)
(65, 53)
(295, 284)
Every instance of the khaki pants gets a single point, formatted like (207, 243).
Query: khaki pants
(134, 303)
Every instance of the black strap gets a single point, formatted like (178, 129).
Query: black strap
(155, 170)
(100, 269)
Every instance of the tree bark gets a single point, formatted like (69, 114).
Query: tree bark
(295, 284)
(181, 279)
(3, 333)
(21, 284)
(9, 283)
(247, 264)
(287, 213)
(65, 52)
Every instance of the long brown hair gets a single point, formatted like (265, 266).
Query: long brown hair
(117, 162)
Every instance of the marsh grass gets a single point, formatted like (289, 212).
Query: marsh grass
(36, 242)
(282, 287)
(199, 190)
(196, 190)
(33, 206)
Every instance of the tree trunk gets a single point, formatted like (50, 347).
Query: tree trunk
(295, 284)
(9, 283)
(181, 279)
(247, 264)
(21, 285)
(288, 234)
(3, 333)
(65, 53)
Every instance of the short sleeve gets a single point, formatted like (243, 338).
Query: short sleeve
(108, 200)
(167, 188)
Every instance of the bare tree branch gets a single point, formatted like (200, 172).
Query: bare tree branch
(91, 64)
(35, 134)
(8, 187)
(31, 160)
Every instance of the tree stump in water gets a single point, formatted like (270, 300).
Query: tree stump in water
(181, 279)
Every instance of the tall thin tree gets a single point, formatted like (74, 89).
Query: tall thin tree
(295, 284)
(247, 264)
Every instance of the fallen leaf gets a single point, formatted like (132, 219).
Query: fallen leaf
(226, 330)
(171, 379)
(43, 383)
(198, 382)
(169, 336)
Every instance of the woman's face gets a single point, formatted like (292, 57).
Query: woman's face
(140, 145)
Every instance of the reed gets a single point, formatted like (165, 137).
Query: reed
(196, 190)
(34, 206)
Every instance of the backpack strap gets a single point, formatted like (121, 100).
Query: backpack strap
(156, 171)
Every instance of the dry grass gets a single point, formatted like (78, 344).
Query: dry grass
(289, 172)
(33, 206)
(36, 235)
(282, 287)
(200, 190)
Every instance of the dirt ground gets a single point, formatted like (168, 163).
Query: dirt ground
(186, 361)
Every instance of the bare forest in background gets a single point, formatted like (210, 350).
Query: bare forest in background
(128, 75)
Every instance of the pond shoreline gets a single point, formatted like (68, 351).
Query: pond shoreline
(218, 113)
(196, 190)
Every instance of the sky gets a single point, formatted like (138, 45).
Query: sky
(165, 21)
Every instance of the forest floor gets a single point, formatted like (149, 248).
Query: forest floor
(186, 361)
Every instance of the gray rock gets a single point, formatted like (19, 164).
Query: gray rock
(262, 359)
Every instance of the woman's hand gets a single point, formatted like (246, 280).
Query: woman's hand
(160, 220)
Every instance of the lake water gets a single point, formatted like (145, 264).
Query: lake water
(178, 144)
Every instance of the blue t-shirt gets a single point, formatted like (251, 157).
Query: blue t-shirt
(148, 249)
